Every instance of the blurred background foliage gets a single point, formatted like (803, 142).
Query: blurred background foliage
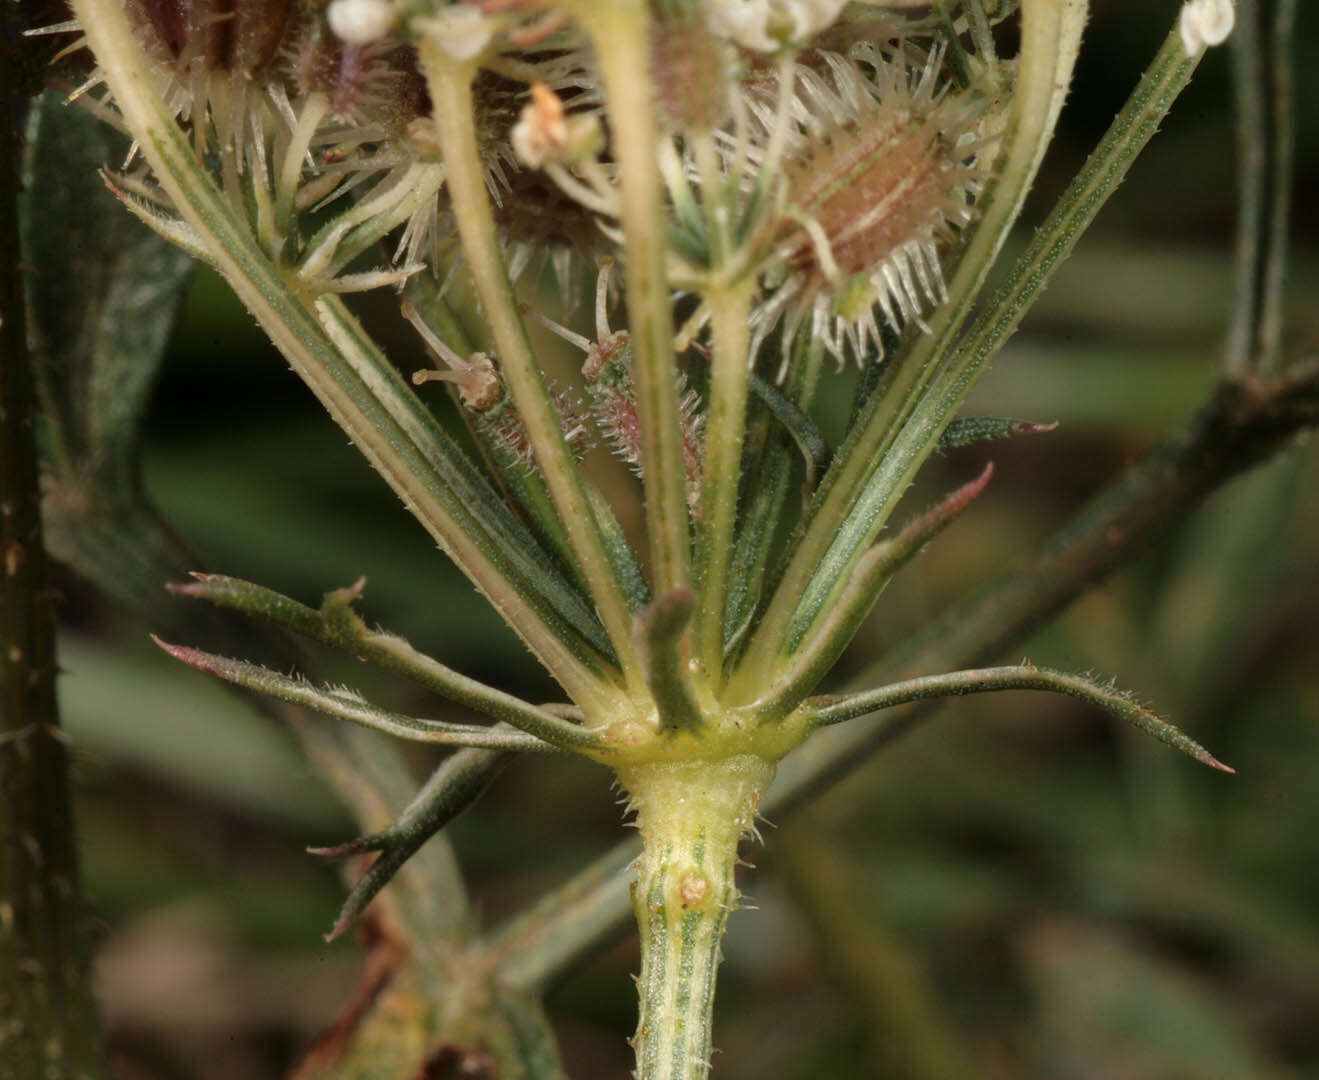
(1015, 890)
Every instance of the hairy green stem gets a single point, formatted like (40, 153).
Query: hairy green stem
(450, 85)
(724, 436)
(692, 816)
(620, 31)
(1238, 428)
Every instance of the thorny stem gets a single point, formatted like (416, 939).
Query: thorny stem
(620, 32)
(49, 1025)
(451, 91)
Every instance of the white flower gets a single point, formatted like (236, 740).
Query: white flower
(769, 25)
(1205, 22)
(359, 22)
(461, 30)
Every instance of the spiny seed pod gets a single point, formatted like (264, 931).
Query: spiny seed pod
(376, 81)
(503, 431)
(613, 399)
(247, 68)
(880, 168)
(612, 394)
(229, 35)
(538, 224)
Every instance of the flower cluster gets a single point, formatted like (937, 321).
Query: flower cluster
(756, 186)
(853, 157)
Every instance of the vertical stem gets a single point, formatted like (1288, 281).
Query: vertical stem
(725, 431)
(1262, 75)
(451, 91)
(619, 29)
(1283, 106)
(692, 815)
(49, 1025)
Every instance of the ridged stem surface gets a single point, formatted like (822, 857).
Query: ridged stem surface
(692, 816)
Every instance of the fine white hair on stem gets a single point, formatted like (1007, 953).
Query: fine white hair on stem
(1205, 22)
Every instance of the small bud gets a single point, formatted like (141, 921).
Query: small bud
(693, 890)
(545, 133)
(1205, 22)
(359, 22)
(770, 25)
(460, 30)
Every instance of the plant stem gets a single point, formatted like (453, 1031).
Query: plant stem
(1240, 427)
(49, 1026)
(451, 91)
(692, 816)
(620, 32)
(1262, 75)
(724, 436)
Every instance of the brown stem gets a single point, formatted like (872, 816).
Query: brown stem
(50, 1026)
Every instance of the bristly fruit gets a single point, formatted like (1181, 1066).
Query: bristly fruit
(881, 163)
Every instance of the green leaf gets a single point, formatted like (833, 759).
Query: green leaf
(338, 625)
(103, 295)
(452, 788)
(348, 705)
(968, 430)
(837, 708)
